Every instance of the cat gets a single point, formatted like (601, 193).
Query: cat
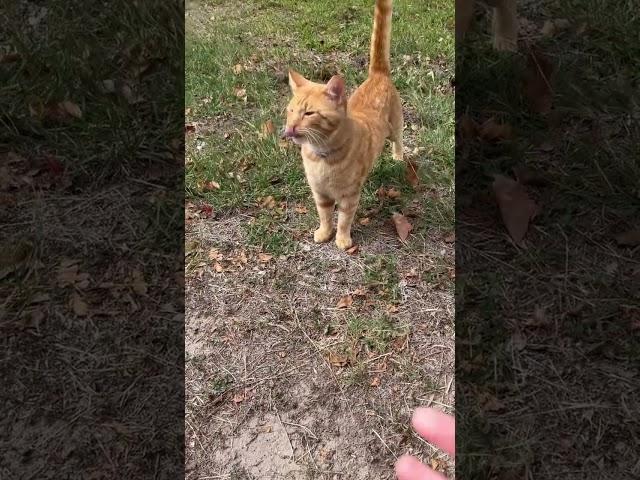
(505, 22)
(341, 138)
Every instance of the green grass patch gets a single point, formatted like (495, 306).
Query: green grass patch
(247, 48)
(381, 277)
(375, 333)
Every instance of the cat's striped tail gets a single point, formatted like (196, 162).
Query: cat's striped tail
(381, 38)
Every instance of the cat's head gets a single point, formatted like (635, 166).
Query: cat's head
(315, 110)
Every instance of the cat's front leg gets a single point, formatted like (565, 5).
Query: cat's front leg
(325, 206)
(346, 211)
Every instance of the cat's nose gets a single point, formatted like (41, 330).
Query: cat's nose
(289, 132)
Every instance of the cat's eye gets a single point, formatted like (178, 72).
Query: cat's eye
(306, 114)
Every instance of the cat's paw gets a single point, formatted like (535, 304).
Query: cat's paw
(344, 242)
(322, 235)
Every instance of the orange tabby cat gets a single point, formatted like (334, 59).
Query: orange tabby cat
(341, 138)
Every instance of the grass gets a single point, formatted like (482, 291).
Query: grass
(102, 189)
(526, 315)
(231, 126)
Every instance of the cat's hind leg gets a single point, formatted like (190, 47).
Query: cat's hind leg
(397, 126)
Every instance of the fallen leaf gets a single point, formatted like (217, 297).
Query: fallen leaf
(267, 202)
(214, 254)
(381, 192)
(237, 69)
(411, 173)
(537, 82)
(238, 397)
(529, 176)
(108, 86)
(467, 127)
(359, 292)
(450, 237)
(516, 208)
(364, 221)
(629, 239)
(71, 108)
(392, 309)
(338, 359)
(240, 92)
(353, 250)
(403, 227)
(345, 301)
(210, 185)
(207, 210)
(218, 268)
(493, 131)
(9, 58)
(264, 257)
(552, 27)
(190, 127)
(78, 305)
(138, 284)
(393, 193)
(267, 128)
(375, 382)
(301, 209)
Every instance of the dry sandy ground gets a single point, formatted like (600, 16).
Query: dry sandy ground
(280, 384)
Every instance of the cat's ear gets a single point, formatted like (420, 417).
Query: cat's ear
(296, 80)
(335, 88)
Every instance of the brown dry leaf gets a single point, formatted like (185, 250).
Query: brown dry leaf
(345, 301)
(218, 268)
(392, 309)
(338, 359)
(78, 305)
(375, 382)
(491, 403)
(364, 221)
(381, 192)
(393, 193)
(71, 108)
(240, 92)
(67, 275)
(301, 209)
(495, 132)
(138, 284)
(516, 208)
(238, 397)
(359, 292)
(264, 257)
(214, 254)
(552, 27)
(267, 129)
(467, 127)
(353, 250)
(237, 69)
(9, 58)
(403, 227)
(210, 185)
(629, 239)
(411, 173)
(450, 237)
(537, 82)
(267, 202)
